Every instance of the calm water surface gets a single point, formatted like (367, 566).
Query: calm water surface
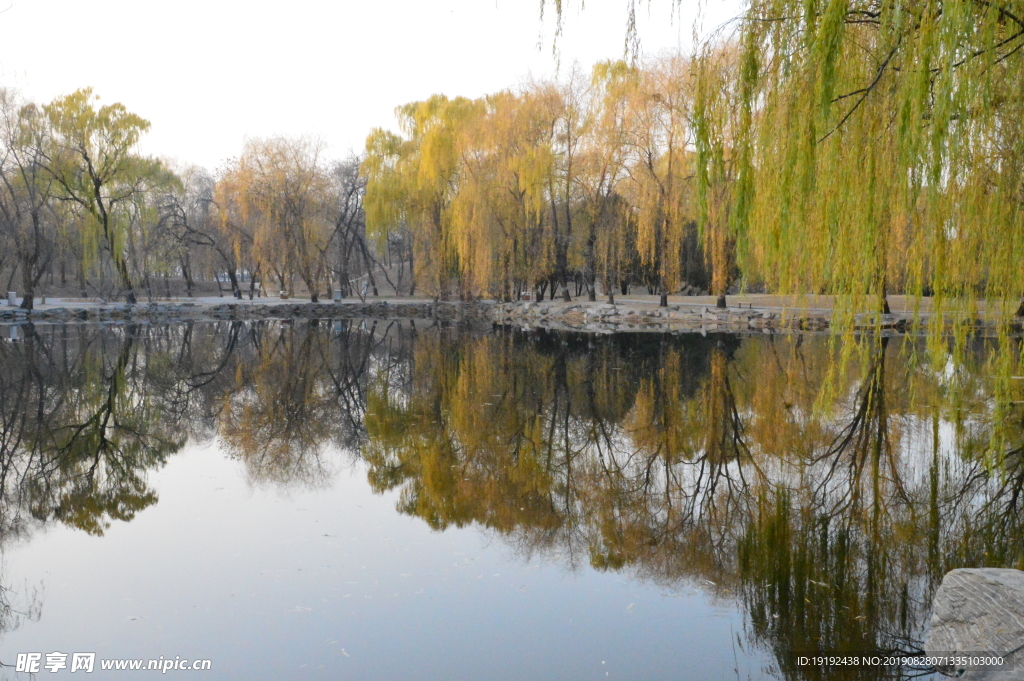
(383, 501)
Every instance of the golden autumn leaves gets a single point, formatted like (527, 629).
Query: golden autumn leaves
(843, 147)
(77, 196)
(591, 181)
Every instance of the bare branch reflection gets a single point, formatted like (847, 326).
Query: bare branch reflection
(828, 499)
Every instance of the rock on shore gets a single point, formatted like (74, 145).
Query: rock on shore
(639, 317)
(584, 317)
(980, 612)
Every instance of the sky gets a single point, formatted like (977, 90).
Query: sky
(210, 73)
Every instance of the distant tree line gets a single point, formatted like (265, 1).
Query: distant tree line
(555, 188)
(81, 210)
(847, 147)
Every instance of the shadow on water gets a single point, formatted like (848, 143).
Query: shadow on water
(827, 500)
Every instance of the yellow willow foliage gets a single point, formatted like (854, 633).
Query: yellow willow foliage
(498, 213)
(387, 202)
(412, 181)
(660, 164)
(718, 118)
(886, 148)
(543, 184)
(234, 220)
(612, 227)
(282, 187)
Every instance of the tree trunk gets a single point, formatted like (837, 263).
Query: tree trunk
(27, 284)
(129, 297)
(236, 291)
(883, 280)
(590, 277)
(10, 279)
(373, 282)
(252, 281)
(412, 266)
(187, 274)
(343, 281)
(126, 280)
(720, 303)
(561, 250)
(369, 262)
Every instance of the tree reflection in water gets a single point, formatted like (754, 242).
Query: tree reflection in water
(827, 499)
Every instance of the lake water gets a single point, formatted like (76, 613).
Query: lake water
(388, 500)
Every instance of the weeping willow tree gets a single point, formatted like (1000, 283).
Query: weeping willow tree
(412, 180)
(93, 162)
(602, 166)
(717, 119)
(881, 149)
(498, 212)
(282, 188)
(661, 167)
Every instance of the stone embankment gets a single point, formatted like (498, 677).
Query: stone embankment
(629, 316)
(176, 312)
(605, 318)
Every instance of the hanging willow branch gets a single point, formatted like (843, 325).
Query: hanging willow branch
(918, 185)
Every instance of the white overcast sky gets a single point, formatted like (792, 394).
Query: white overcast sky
(209, 73)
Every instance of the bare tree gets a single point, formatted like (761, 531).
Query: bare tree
(197, 220)
(26, 191)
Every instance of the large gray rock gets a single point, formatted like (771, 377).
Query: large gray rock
(980, 611)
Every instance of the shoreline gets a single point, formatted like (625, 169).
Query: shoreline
(629, 315)
(588, 317)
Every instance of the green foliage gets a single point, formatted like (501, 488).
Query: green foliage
(93, 162)
(885, 149)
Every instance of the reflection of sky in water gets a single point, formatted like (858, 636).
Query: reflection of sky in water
(334, 583)
(623, 452)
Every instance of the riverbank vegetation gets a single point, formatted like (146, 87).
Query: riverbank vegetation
(83, 213)
(851, 148)
(859, 149)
